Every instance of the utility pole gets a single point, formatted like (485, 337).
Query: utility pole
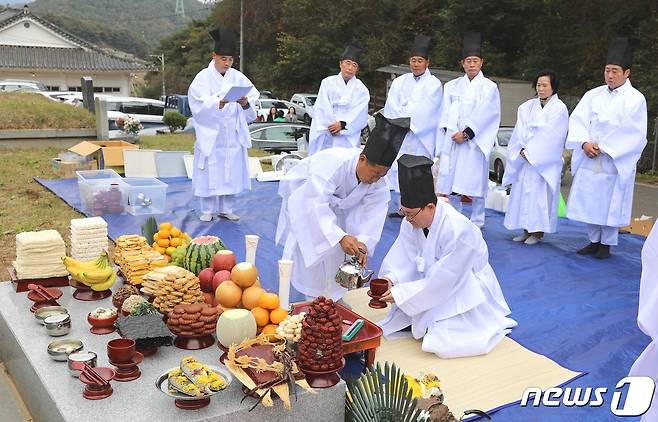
(161, 57)
(180, 9)
(241, 36)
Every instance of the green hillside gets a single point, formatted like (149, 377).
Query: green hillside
(134, 26)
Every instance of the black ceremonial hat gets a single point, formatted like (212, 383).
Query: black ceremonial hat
(619, 53)
(472, 45)
(352, 52)
(416, 182)
(385, 140)
(421, 46)
(224, 41)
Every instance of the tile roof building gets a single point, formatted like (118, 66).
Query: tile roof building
(31, 48)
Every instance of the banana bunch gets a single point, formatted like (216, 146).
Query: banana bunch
(97, 273)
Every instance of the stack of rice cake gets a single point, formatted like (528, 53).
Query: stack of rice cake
(39, 255)
(136, 258)
(174, 285)
(88, 238)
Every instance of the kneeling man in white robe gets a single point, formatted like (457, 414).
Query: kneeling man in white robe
(335, 204)
(438, 268)
(607, 133)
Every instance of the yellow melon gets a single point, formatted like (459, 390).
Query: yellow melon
(228, 294)
(244, 274)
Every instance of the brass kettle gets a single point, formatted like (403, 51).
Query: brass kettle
(352, 275)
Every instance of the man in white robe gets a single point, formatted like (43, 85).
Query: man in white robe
(335, 204)
(534, 161)
(222, 137)
(341, 109)
(441, 283)
(607, 133)
(467, 130)
(646, 364)
(416, 95)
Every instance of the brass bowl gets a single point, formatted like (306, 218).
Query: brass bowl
(60, 350)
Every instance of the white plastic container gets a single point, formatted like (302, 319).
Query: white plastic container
(146, 195)
(102, 192)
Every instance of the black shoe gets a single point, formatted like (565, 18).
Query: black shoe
(603, 252)
(590, 249)
(395, 214)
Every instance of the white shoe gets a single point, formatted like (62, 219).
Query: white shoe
(522, 237)
(205, 217)
(230, 216)
(532, 240)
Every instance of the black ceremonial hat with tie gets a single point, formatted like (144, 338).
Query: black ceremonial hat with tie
(352, 52)
(619, 53)
(421, 46)
(472, 45)
(385, 140)
(224, 41)
(416, 182)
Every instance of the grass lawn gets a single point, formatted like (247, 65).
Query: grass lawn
(27, 206)
(34, 111)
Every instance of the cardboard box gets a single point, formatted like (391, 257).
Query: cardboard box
(109, 154)
(67, 169)
(641, 226)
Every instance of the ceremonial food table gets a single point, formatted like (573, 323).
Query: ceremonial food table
(52, 394)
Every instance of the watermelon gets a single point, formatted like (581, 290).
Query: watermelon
(200, 252)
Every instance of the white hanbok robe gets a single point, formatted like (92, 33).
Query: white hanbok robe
(420, 100)
(464, 168)
(222, 135)
(535, 194)
(647, 363)
(602, 188)
(445, 288)
(322, 202)
(339, 101)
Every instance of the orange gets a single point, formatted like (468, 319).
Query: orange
(163, 243)
(155, 236)
(250, 296)
(278, 315)
(165, 226)
(170, 250)
(262, 316)
(167, 258)
(175, 232)
(163, 234)
(155, 245)
(269, 329)
(162, 250)
(268, 301)
(175, 241)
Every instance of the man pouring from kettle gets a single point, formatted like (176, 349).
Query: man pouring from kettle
(334, 204)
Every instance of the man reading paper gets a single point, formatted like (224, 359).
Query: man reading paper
(222, 137)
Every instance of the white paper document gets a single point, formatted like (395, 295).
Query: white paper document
(237, 92)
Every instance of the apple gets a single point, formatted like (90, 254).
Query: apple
(205, 280)
(220, 277)
(223, 260)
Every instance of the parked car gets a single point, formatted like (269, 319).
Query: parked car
(263, 108)
(16, 85)
(277, 136)
(306, 102)
(498, 156)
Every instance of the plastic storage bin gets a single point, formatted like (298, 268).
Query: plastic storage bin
(146, 195)
(102, 192)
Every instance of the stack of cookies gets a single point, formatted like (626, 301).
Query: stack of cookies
(178, 286)
(88, 238)
(136, 258)
(194, 320)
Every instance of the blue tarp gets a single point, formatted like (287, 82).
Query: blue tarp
(578, 311)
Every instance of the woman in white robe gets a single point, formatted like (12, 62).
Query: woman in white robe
(441, 282)
(220, 168)
(646, 364)
(341, 110)
(467, 130)
(534, 161)
(334, 204)
(607, 133)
